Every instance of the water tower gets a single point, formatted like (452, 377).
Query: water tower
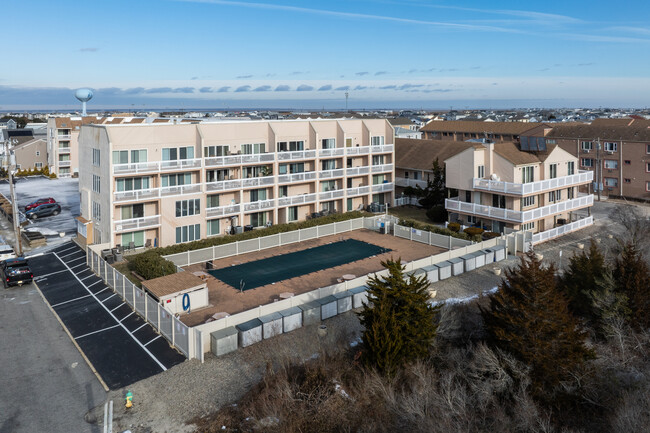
(84, 95)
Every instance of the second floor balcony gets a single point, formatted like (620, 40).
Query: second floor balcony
(357, 171)
(382, 168)
(533, 187)
(296, 155)
(328, 174)
(222, 211)
(297, 199)
(404, 182)
(136, 223)
(157, 166)
(64, 150)
(383, 187)
(259, 205)
(297, 177)
(64, 163)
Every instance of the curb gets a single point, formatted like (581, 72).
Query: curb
(83, 355)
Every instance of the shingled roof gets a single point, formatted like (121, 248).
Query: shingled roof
(478, 127)
(592, 132)
(420, 154)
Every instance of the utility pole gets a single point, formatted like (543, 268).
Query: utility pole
(346, 101)
(14, 203)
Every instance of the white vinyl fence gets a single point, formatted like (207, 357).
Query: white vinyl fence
(176, 332)
(561, 230)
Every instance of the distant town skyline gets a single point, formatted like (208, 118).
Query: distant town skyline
(404, 54)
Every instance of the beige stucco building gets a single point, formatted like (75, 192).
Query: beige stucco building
(161, 184)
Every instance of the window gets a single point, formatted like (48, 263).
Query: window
(527, 201)
(626, 180)
(586, 162)
(587, 146)
(132, 183)
(38, 153)
(377, 159)
(468, 196)
(176, 179)
(139, 156)
(188, 233)
(96, 211)
(551, 141)
(211, 151)
(282, 169)
(257, 171)
(65, 157)
(173, 153)
(349, 204)
(647, 186)
(528, 174)
(213, 227)
(328, 143)
(257, 194)
(293, 213)
(132, 211)
(188, 207)
(378, 178)
(499, 201)
(38, 165)
(610, 164)
(552, 173)
(298, 167)
(647, 167)
(647, 148)
(251, 149)
(136, 237)
(348, 142)
(571, 168)
(610, 147)
(258, 219)
(212, 201)
(291, 146)
(377, 141)
(328, 164)
(481, 171)
(611, 182)
(528, 226)
(64, 144)
(555, 195)
(96, 157)
(283, 191)
(569, 193)
(376, 198)
(217, 175)
(328, 185)
(628, 162)
(120, 157)
(471, 219)
(96, 183)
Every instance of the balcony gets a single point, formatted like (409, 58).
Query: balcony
(64, 163)
(157, 166)
(297, 199)
(325, 153)
(329, 174)
(136, 195)
(383, 187)
(533, 187)
(359, 150)
(257, 181)
(361, 190)
(257, 158)
(404, 182)
(454, 205)
(329, 195)
(64, 150)
(259, 205)
(63, 136)
(357, 171)
(223, 185)
(137, 223)
(167, 191)
(222, 211)
(296, 155)
(222, 161)
(382, 149)
(382, 168)
(297, 177)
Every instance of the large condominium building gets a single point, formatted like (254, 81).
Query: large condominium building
(63, 144)
(161, 184)
(499, 186)
(463, 130)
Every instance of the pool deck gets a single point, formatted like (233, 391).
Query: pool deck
(224, 298)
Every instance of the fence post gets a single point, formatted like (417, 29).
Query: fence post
(158, 312)
(449, 242)
(299, 235)
(317, 233)
(410, 233)
(173, 330)
(429, 238)
(259, 244)
(146, 306)
(188, 257)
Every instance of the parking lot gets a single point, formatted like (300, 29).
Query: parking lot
(121, 346)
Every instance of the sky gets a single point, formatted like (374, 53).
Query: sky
(227, 54)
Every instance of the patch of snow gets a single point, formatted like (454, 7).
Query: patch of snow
(465, 300)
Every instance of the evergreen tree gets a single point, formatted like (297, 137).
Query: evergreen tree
(632, 278)
(529, 317)
(435, 192)
(398, 319)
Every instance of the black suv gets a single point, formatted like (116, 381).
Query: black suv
(43, 211)
(16, 272)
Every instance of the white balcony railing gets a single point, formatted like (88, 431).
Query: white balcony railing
(296, 155)
(401, 181)
(360, 150)
(157, 166)
(137, 223)
(222, 161)
(297, 177)
(383, 187)
(223, 185)
(63, 136)
(64, 163)
(167, 191)
(64, 150)
(561, 230)
(257, 181)
(357, 171)
(259, 205)
(257, 158)
(221, 211)
(533, 187)
(454, 205)
(328, 174)
(361, 190)
(297, 199)
(382, 168)
(382, 149)
(136, 195)
(337, 151)
(329, 195)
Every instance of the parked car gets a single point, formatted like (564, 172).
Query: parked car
(39, 202)
(6, 252)
(16, 272)
(43, 211)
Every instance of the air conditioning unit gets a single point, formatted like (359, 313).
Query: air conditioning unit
(609, 152)
(586, 150)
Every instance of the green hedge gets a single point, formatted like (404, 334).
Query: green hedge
(473, 231)
(454, 227)
(151, 265)
(433, 229)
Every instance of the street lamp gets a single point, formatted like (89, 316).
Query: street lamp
(14, 201)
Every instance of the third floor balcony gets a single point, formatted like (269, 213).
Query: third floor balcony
(533, 187)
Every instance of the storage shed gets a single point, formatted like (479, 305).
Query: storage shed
(480, 258)
(499, 253)
(432, 273)
(271, 325)
(444, 269)
(310, 313)
(328, 307)
(223, 341)
(250, 332)
(489, 256)
(359, 296)
(291, 319)
(457, 266)
(179, 290)
(470, 262)
(343, 301)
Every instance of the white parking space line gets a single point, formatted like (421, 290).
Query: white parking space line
(154, 339)
(67, 249)
(74, 260)
(139, 327)
(105, 288)
(98, 281)
(114, 294)
(115, 318)
(132, 312)
(95, 332)
(47, 275)
(76, 252)
(71, 300)
(119, 306)
(76, 266)
(85, 278)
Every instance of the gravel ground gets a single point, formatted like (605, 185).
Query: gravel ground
(164, 403)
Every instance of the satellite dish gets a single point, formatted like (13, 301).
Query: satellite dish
(83, 95)
(494, 176)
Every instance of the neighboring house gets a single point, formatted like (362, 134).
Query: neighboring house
(501, 187)
(462, 130)
(9, 124)
(31, 154)
(405, 122)
(407, 133)
(63, 144)
(39, 129)
(161, 184)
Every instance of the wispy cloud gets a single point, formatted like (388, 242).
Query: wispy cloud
(343, 88)
(89, 49)
(361, 74)
(381, 73)
(244, 76)
(637, 30)
(183, 90)
(205, 90)
(223, 89)
(325, 88)
(282, 88)
(159, 90)
(262, 89)
(299, 72)
(243, 89)
(359, 87)
(304, 88)
(388, 87)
